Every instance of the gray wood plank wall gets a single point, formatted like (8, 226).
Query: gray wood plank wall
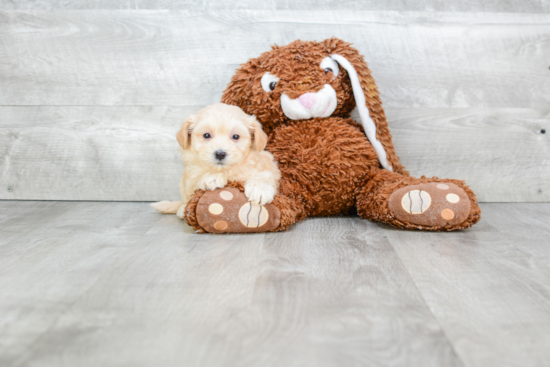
(90, 100)
(514, 6)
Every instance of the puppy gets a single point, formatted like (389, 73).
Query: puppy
(221, 143)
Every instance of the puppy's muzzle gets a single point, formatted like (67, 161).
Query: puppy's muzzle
(220, 155)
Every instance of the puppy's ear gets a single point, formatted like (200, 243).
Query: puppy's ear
(367, 99)
(184, 135)
(259, 136)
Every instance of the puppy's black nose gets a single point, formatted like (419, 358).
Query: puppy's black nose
(220, 155)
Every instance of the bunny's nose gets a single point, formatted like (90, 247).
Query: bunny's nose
(220, 155)
(308, 100)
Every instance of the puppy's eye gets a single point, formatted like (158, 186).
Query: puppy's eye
(206, 136)
(269, 81)
(235, 137)
(327, 70)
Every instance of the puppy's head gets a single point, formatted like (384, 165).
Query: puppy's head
(221, 135)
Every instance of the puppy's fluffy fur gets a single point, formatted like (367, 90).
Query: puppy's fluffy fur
(221, 143)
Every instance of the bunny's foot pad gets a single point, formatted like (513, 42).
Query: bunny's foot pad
(228, 210)
(434, 204)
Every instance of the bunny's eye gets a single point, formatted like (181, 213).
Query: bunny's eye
(329, 64)
(269, 81)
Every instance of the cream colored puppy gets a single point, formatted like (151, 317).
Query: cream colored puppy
(221, 143)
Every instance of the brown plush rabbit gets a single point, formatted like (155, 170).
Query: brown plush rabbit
(303, 94)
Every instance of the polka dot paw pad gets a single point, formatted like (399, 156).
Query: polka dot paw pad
(430, 204)
(228, 210)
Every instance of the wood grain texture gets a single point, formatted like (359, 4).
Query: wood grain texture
(330, 292)
(91, 153)
(186, 58)
(528, 6)
(144, 310)
(488, 287)
(51, 255)
(130, 153)
(111, 284)
(338, 279)
(501, 153)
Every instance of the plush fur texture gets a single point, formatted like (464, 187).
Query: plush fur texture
(221, 143)
(298, 67)
(328, 166)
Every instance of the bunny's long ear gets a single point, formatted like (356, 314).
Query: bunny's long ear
(367, 99)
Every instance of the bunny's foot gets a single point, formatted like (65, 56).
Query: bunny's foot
(429, 204)
(434, 204)
(227, 210)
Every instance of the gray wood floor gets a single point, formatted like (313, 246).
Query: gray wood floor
(116, 284)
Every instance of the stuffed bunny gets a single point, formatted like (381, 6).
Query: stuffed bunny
(303, 94)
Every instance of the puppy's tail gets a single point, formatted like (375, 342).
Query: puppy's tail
(167, 207)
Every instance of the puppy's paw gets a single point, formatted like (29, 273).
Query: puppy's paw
(167, 207)
(259, 193)
(181, 212)
(215, 182)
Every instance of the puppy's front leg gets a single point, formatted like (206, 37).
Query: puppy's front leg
(261, 188)
(213, 181)
(186, 190)
(181, 211)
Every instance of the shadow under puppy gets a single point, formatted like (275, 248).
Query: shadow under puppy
(222, 143)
